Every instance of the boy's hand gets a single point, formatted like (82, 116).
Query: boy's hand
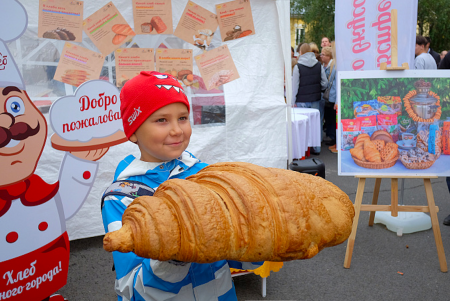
(91, 155)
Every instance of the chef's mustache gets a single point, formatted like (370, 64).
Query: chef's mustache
(18, 131)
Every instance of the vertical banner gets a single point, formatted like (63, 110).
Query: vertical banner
(363, 33)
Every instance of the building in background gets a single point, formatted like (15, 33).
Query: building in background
(298, 30)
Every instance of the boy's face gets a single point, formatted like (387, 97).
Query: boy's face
(165, 134)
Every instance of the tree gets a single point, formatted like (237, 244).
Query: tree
(433, 20)
(318, 16)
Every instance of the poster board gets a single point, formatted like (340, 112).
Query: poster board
(363, 29)
(61, 20)
(176, 62)
(131, 61)
(217, 67)
(235, 19)
(152, 17)
(390, 104)
(107, 28)
(197, 25)
(78, 65)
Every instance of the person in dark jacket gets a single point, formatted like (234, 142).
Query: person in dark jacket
(433, 53)
(308, 82)
(445, 62)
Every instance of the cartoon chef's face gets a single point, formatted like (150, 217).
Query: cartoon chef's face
(23, 131)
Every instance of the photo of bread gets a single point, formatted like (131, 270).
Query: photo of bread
(375, 152)
(59, 34)
(75, 77)
(220, 78)
(123, 29)
(158, 24)
(237, 33)
(122, 80)
(118, 39)
(203, 38)
(146, 27)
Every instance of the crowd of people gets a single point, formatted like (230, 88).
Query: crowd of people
(314, 85)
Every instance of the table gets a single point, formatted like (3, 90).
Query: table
(314, 129)
(300, 133)
(305, 124)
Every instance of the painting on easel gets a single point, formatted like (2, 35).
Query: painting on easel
(394, 123)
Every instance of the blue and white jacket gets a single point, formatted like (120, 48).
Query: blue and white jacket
(139, 278)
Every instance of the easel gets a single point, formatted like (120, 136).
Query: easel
(394, 208)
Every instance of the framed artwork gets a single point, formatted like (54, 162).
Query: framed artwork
(394, 123)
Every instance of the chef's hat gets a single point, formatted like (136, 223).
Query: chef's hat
(13, 23)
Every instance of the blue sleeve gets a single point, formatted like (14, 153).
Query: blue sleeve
(138, 278)
(333, 87)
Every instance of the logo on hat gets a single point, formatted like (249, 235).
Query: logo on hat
(135, 115)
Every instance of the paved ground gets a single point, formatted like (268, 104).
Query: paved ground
(378, 256)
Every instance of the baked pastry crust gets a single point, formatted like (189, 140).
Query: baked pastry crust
(379, 144)
(382, 135)
(360, 140)
(371, 152)
(358, 153)
(236, 211)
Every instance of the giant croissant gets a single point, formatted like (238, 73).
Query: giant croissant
(236, 211)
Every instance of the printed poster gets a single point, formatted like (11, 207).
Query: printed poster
(61, 20)
(107, 29)
(363, 29)
(177, 62)
(394, 123)
(235, 19)
(217, 67)
(197, 26)
(131, 61)
(78, 65)
(153, 17)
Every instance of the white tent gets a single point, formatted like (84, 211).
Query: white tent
(255, 127)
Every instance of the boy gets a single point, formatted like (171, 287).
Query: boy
(155, 115)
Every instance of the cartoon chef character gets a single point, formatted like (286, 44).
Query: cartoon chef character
(34, 244)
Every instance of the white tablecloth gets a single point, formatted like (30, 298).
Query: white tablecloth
(300, 135)
(314, 127)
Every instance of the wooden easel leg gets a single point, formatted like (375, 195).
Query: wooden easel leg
(351, 239)
(394, 197)
(376, 192)
(435, 225)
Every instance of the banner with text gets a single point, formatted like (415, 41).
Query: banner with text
(363, 33)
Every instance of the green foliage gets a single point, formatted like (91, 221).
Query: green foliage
(433, 19)
(370, 88)
(318, 16)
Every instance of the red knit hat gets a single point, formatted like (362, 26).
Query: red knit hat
(146, 93)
